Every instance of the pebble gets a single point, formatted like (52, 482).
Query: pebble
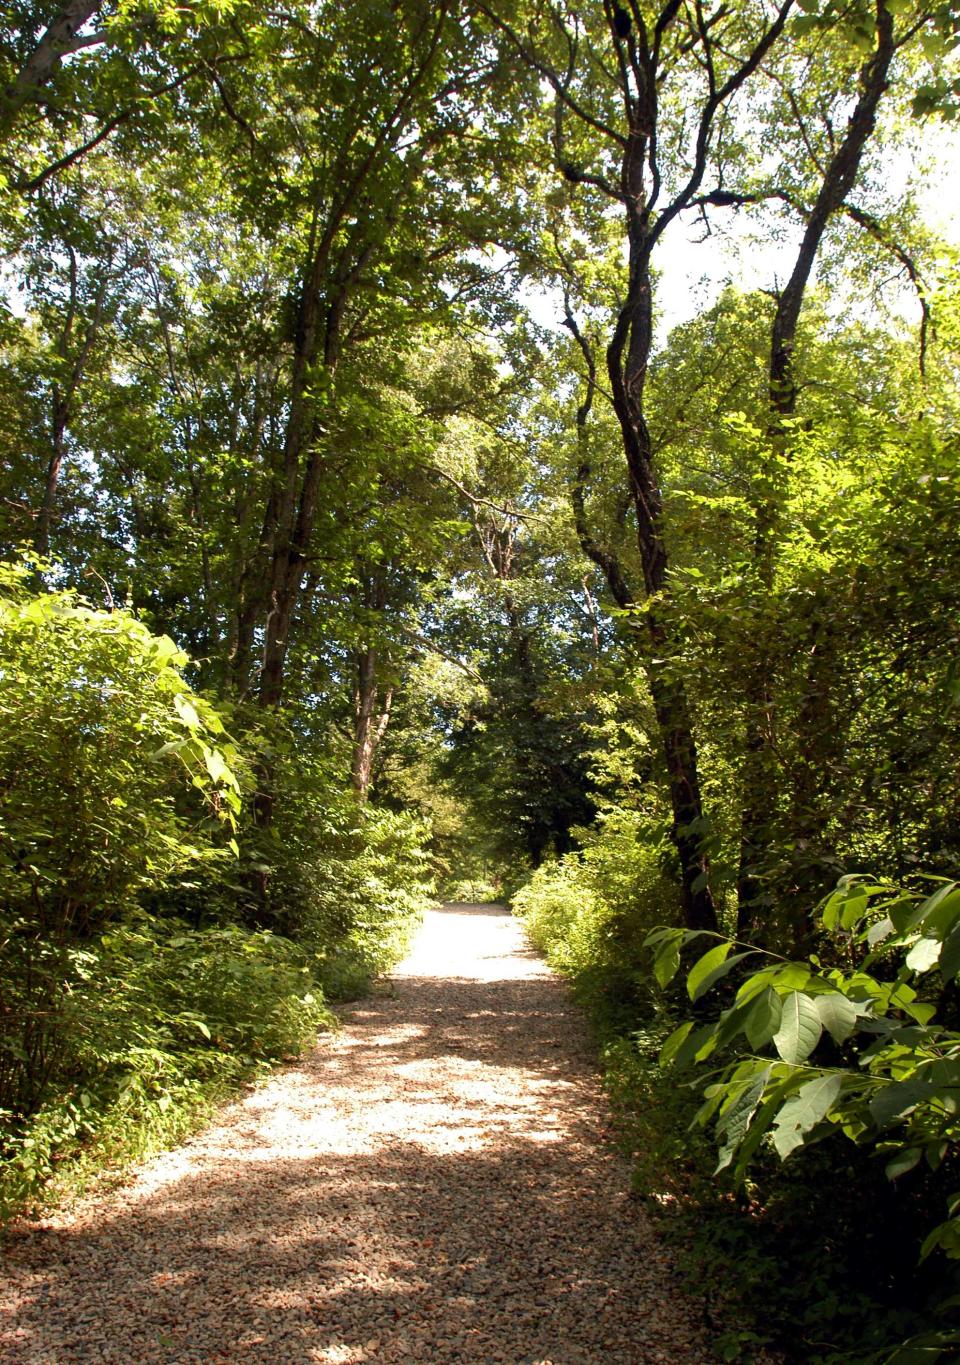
(432, 1185)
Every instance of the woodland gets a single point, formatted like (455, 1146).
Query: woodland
(497, 449)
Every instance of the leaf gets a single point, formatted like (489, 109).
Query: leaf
(735, 1121)
(666, 958)
(215, 764)
(950, 955)
(764, 1018)
(923, 955)
(838, 1015)
(879, 931)
(697, 1046)
(697, 979)
(187, 712)
(904, 1161)
(799, 1030)
(672, 1046)
(803, 1111)
(898, 1097)
(935, 915)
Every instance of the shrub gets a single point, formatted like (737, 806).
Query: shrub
(589, 913)
(810, 1051)
(161, 1020)
(348, 881)
(101, 744)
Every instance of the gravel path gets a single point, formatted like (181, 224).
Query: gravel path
(433, 1185)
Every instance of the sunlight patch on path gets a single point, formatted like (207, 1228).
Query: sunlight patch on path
(432, 1185)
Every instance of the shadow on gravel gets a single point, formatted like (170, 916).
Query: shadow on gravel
(480, 1258)
(495, 908)
(469, 1212)
(500, 1023)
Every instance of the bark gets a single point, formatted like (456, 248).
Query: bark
(627, 359)
(371, 718)
(671, 705)
(44, 61)
(639, 58)
(64, 397)
(760, 773)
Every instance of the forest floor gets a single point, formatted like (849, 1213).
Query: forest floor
(433, 1184)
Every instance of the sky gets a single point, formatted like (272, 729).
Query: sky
(693, 273)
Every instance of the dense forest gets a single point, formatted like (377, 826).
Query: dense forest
(492, 450)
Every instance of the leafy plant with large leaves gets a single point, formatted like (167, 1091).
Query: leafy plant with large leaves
(866, 1048)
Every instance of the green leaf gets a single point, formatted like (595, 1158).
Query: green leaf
(950, 955)
(697, 1046)
(838, 1015)
(735, 1120)
(700, 975)
(904, 1161)
(666, 958)
(898, 1097)
(764, 1018)
(711, 979)
(215, 764)
(879, 931)
(923, 955)
(799, 1030)
(936, 915)
(672, 1046)
(803, 1111)
(187, 713)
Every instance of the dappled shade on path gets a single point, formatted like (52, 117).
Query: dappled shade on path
(432, 1185)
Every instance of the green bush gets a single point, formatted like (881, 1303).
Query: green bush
(471, 891)
(102, 743)
(161, 1020)
(349, 881)
(589, 913)
(867, 1050)
(117, 788)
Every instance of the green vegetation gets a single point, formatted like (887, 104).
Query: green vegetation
(120, 788)
(467, 539)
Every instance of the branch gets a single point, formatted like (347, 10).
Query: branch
(424, 643)
(727, 199)
(876, 230)
(62, 164)
(41, 178)
(606, 561)
(477, 501)
(60, 37)
(549, 75)
(720, 96)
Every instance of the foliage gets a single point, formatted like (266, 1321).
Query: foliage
(119, 785)
(161, 1020)
(103, 748)
(347, 880)
(589, 913)
(855, 1041)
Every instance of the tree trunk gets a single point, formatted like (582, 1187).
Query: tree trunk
(58, 39)
(370, 723)
(760, 777)
(58, 433)
(627, 358)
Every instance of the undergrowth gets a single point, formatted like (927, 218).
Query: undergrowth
(815, 1258)
(158, 1023)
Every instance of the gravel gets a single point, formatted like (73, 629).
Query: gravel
(434, 1184)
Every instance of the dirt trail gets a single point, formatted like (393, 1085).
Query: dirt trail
(431, 1186)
